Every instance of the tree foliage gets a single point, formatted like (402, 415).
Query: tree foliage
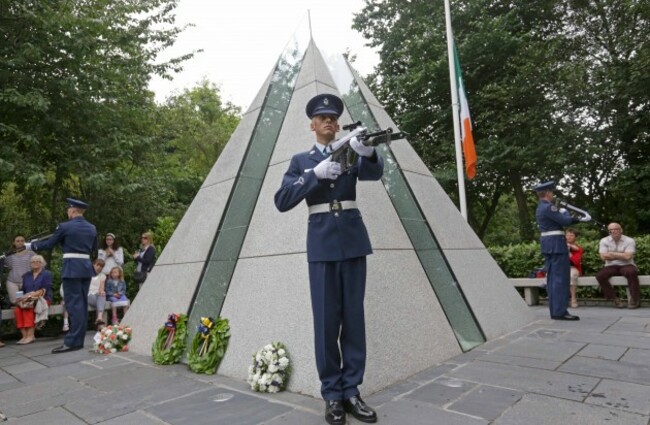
(556, 90)
(77, 118)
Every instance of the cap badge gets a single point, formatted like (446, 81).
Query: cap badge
(326, 101)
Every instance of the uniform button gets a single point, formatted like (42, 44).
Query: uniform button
(332, 185)
(336, 214)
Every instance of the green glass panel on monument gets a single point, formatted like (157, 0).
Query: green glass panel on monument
(228, 241)
(439, 274)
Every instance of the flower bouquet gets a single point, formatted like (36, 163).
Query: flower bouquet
(209, 345)
(271, 369)
(112, 339)
(170, 342)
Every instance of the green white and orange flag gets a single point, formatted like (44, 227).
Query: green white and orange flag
(469, 151)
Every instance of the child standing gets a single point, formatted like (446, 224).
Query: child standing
(116, 292)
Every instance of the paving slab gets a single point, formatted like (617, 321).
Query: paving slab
(565, 385)
(413, 412)
(135, 418)
(636, 355)
(600, 368)
(442, 391)
(211, 407)
(607, 352)
(56, 416)
(622, 395)
(486, 402)
(522, 361)
(534, 409)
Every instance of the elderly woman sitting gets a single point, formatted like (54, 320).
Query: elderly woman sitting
(36, 283)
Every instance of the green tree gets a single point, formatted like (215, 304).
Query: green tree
(75, 110)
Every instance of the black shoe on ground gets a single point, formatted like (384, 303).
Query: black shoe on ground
(359, 409)
(334, 413)
(65, 349)
(566, 317)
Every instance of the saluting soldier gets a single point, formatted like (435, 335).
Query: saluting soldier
(551, 221)
(78, 239)
(337, 246)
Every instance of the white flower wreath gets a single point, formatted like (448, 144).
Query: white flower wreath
(270, 369)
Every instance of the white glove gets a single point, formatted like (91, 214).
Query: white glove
(327, 169)
(562, 210)
(360, 148)
(28, 246)
(585, 219)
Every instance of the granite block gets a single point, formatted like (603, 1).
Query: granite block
(55, 416)
(610, 369)
(442, 391)
(413, 412)
(607, 352)
(541, 349)
(635, 355)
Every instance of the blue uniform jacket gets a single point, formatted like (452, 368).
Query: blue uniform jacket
(330, 236)
(550, 218)
(77, 236)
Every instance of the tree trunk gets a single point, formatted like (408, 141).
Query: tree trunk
(525, 227)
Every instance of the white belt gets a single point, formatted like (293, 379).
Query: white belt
(73, 255)
(332, 207)
(553, 233)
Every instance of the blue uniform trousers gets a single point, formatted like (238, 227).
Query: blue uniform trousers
(337, 293)
(75, 296)
(558, 273)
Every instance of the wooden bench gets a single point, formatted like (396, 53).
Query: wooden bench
(532, 286)
(54, 310)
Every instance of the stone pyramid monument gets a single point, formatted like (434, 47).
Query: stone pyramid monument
(433, 290)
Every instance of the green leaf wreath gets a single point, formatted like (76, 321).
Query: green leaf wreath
(170, 342)
(209, 345)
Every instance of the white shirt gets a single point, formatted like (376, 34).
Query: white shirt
(624, 244)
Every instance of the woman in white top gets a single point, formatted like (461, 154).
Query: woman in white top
(111, 252)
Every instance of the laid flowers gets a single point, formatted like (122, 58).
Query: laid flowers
(170, 344)
(208, 345)
(112, 339)
(271, 369)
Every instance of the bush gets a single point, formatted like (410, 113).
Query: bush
(519, 260)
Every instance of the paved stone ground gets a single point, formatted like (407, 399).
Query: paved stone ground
(595, 371)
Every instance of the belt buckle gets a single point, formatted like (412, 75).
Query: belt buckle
(335, 206)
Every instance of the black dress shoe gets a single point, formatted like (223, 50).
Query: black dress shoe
(65, 349)
(359, 409)
(566, 317)
(334, 413)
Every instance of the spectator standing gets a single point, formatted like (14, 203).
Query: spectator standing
(575, 257)
(617, 251)
(36, 283)
(111, 252)
(18, 264)
(145, 258)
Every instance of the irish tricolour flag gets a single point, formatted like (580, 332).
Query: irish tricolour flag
(465, 124)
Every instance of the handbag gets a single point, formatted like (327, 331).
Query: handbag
(140, 276)
(27, 303)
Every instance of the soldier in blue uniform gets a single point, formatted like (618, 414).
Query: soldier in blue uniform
(78, 239)
(337, 246)
(551, 221)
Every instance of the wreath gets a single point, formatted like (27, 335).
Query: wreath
(209, 345)
(170, 342)
(270, 370)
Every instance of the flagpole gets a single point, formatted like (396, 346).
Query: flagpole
(455, 109)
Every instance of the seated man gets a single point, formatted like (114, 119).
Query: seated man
(617, 250)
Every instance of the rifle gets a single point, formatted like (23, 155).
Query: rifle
(580, 213)
(347, 157)
(35, 238)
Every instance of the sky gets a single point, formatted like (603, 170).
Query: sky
(242, 40)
